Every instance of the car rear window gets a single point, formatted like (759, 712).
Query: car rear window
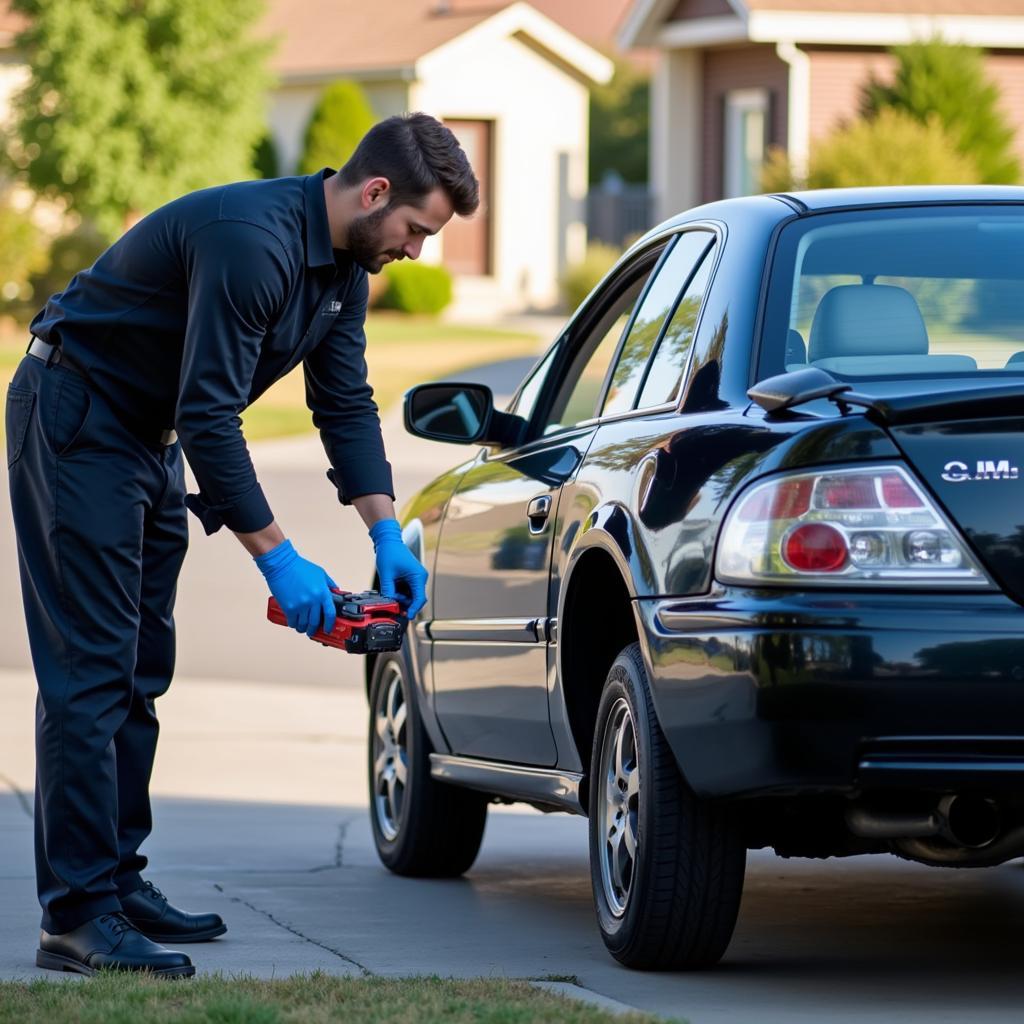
(907, 292)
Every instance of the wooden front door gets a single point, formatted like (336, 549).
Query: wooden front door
(466, 243)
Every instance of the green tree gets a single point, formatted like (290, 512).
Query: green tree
(619, 125)
(341, 118)
(132, 102)
(936, 78)
(23, 251)
(891, 148)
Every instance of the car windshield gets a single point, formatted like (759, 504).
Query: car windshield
(907, 292)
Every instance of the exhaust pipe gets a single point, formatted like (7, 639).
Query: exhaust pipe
(969, 821)
(869, 824)
(969, 829)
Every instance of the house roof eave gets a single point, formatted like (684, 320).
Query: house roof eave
(520, 20)
(856, 29)
(646, 22)
(685, 35)
(401, 73)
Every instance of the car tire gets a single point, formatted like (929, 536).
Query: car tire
(421, 827)
(666, 867)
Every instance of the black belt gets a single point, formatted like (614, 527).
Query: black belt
(52, 356)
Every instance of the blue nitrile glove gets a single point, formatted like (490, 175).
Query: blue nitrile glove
(396, 564)
(301, 587)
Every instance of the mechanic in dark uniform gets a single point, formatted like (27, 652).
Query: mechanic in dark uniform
(153, 352)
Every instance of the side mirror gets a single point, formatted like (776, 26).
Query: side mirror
(458, 413)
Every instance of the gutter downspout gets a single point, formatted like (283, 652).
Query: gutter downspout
(798, 142)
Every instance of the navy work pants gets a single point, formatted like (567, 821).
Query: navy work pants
(100, 521)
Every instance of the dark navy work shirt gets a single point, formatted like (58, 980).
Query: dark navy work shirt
(200, 307)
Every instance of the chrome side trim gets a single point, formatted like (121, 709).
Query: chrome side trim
(670, 617)
(533, 785)
(505, 630)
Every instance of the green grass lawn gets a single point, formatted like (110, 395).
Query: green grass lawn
(312, 999)
(401, 351)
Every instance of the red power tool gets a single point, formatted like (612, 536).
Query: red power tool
(365, 623)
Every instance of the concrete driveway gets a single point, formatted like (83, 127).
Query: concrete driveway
(261, 815)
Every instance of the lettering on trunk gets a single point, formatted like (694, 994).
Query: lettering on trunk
(983, 469)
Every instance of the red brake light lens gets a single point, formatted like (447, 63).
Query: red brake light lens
(815, 547)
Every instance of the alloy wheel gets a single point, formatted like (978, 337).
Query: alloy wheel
(620, 776)
(390, 753)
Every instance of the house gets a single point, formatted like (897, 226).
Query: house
(738, 76)
(512, 84)
(510, 81)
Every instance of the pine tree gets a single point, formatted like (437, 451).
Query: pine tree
(936, 78)
(133, 102)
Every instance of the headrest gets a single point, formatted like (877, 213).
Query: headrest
(867, 320)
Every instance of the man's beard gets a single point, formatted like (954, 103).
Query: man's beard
(364, 240)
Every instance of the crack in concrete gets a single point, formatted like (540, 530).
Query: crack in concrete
(18, 794)
(339, 849)
(367, 973)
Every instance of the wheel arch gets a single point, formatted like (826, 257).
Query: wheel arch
(597, 592)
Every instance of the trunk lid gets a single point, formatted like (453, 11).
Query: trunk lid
(966, 444)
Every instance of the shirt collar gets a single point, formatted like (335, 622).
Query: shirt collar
(319, 252)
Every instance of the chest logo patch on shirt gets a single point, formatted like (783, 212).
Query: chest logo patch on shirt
(332, 308)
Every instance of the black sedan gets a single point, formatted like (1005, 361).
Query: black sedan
(740, 566)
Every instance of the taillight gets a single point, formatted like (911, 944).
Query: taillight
(863, 525)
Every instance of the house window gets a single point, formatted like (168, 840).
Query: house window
(746, 137)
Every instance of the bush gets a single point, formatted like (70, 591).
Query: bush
(341, 118)
(892, 148)
(578, 280)
(416, 288)
(23, 252)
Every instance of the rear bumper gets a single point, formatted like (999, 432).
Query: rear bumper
(763, 692)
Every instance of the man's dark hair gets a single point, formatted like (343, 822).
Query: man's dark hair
(417, 154)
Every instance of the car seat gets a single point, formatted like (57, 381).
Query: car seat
(872, 329)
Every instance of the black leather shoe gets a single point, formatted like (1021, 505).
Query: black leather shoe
(112, 942)
(147, 908)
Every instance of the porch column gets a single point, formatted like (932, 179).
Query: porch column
(675, 146)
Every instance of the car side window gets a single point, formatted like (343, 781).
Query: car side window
(669, 362)
(577, 396)
(672, 276)
(526, 400)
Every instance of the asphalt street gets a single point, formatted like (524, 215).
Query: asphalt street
(261, 814)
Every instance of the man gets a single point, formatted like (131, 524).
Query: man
(179, 326)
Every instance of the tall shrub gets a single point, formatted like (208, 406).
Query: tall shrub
(619, 125)
(950, 82)
(341, 118)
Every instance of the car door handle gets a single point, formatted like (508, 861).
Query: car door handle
(537, 512)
